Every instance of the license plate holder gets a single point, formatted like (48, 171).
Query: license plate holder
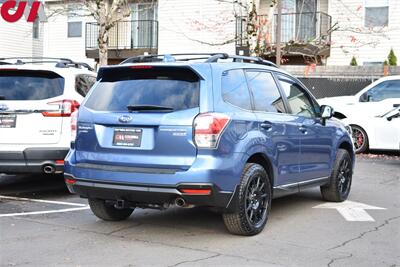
(127, 137)
(8, 121)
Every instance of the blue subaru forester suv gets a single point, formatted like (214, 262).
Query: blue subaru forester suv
(228, 132)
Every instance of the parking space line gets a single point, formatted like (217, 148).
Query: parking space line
(43, 212)
(43, 201)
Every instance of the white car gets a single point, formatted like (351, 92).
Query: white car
(373, 114)
(37, 98)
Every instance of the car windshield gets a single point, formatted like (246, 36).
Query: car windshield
(127, 89)
(30, 85)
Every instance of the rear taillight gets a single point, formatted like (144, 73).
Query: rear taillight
(65, 108)
(74, 125)
(208, 128)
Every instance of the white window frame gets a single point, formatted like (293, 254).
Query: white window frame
(75, 14)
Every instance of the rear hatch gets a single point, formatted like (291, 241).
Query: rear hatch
(27, 108)
(141, 117)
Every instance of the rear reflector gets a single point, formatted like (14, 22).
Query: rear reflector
(70, 181)
(60, 161)
(196, 191)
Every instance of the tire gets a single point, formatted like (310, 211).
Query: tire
(253, 208)
(360, 139)
(108, 212)
(339, 186)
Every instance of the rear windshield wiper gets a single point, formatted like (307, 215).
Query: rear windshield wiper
(148, 108)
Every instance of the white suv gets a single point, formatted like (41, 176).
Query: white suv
(373, 114)
(37, 99)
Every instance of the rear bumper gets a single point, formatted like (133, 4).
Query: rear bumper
(143, 195)
(32, 160)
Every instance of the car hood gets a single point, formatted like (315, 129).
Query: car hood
(337, 101)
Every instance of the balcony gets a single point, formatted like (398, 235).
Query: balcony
(126, 39)
(303, 35)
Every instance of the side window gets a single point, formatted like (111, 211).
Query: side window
(265, 92)
(83, 83)
(234, 89)
(299, 102)
(384, 90)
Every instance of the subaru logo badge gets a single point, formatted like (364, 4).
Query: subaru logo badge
(3, 107)
(125, 118)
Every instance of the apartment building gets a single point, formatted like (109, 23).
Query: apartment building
(327, 32)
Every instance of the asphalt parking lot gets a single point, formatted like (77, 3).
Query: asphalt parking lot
(58, 229)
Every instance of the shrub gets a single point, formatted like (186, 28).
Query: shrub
(353, 62)
(392, 59)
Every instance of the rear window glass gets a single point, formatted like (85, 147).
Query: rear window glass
(30, 85)
(175, 88)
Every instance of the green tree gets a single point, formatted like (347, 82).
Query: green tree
(392, 59)
(353, 62)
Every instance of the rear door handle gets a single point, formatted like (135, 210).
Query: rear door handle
(266, 125)
(303, 129)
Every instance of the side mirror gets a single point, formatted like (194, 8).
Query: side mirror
(326, 112)
(364, 97)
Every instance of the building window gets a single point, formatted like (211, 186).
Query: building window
(75, 29)
(376, 13)
(75, 13)
(35, 29)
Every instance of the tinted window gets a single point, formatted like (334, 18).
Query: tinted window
(30, 85)
(83, 83)
(299, 102)
(384, 90)
(234, 89)
(176, 88)
(265, 92)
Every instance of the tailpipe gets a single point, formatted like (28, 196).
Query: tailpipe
(180, 202)
(49, 169)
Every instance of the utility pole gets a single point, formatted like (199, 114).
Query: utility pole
(278, 33)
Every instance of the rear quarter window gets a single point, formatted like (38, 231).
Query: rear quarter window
(176, 88)
(234, 89)
(30, 85)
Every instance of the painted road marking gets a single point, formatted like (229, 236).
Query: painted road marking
(43, 201)
(42, 212)
(350, 210)
(77, 205)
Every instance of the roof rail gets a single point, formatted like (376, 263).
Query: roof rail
(60, 62)
(166, 57)
(236, 58)
(209, 58)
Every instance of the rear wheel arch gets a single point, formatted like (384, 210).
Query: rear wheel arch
(265, 162)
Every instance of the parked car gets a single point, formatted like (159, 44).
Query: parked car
(36, 103)
(227, 135)
(371, 113)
